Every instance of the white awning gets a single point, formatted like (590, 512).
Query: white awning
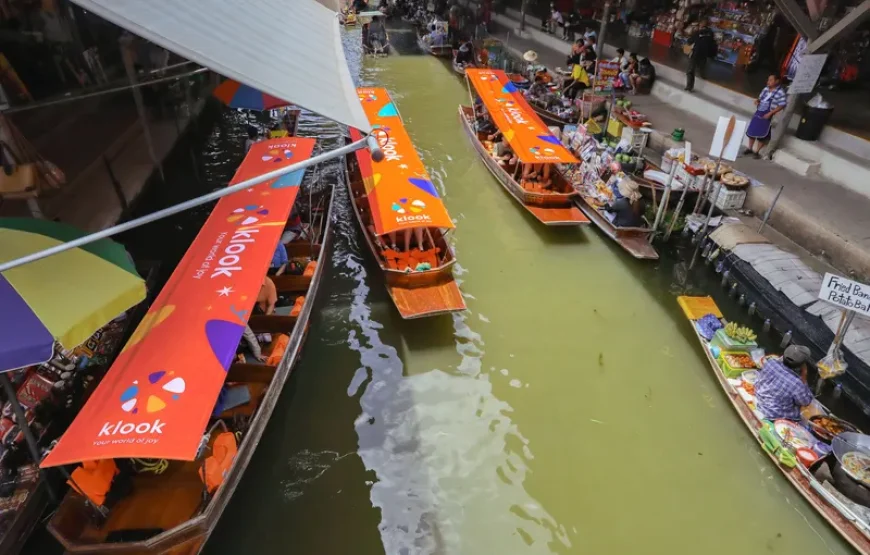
(291, 50)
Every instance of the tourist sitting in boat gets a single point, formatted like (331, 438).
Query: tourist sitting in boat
(484, 124)
(537, 174)
(626, 211)
(465, 55)
(279, 260)
(781, 389)
(502, 151)
(250, 338)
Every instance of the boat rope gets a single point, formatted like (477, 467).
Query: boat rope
(367, 141)
(114, 90)
(157, 466)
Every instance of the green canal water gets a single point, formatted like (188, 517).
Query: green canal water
(569, 410)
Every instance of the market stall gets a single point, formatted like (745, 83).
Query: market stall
(737, 27)
(50, 394)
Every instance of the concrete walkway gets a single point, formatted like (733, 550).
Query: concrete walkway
(824, 218)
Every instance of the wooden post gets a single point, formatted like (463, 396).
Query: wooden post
(116, 185)
(663, 207)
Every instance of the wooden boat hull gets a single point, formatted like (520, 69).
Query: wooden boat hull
(551, 119)
(189, 537)
(415, 294)
(553, 209)
(799, 477)
(441, 297)
(635, 240)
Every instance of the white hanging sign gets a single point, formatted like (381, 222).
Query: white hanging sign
(846, 293)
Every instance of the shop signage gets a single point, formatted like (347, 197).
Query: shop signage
(606, 75)
(807, 73)
(846, 293)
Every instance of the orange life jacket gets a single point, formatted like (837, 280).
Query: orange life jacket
(94, 479)
(219, 463)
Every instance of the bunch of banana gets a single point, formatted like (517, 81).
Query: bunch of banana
(738, 333)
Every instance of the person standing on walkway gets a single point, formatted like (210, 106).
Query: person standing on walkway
(703, 47)
(556, 20)
(770, 102)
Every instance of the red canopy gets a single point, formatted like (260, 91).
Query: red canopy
(155, 401)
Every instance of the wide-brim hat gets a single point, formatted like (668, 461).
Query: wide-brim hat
(530, 56)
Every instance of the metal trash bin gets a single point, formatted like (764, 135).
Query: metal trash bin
(812, 122)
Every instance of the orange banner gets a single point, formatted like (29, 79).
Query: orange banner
(524, 131)
(156, 400)
(400, 192)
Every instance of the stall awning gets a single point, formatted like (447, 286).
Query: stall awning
(291, 50)
(155, 401)
(400, 192)
(524, 131)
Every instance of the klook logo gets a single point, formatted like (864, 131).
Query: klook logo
(161, 386)
(248, 214)
(156, 401)
(403, 206)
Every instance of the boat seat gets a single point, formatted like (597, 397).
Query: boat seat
(274, 323)
(288, 283)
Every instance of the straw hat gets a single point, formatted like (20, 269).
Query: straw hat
(530, 56)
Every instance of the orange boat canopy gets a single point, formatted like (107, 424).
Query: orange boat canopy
(400, 192)
(156, 399)
(527, 135)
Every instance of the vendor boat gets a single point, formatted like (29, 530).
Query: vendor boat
(635, 240)
(370, 46)
(551, 119)
(440, 49)
(176, 384)
(531, 142)
(831, 505)
(401, 215)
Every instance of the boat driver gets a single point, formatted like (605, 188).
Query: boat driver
(781, 390)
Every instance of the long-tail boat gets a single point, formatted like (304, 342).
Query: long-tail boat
(532, 146)
(635, 240)
(440, 48)
(178, 415)
(834, 508)
(402, 216)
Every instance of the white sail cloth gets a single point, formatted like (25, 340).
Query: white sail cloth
(291, 50)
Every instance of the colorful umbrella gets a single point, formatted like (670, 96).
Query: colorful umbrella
(238, 95)
(64, 298)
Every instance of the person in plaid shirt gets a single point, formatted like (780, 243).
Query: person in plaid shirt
(779, 392)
